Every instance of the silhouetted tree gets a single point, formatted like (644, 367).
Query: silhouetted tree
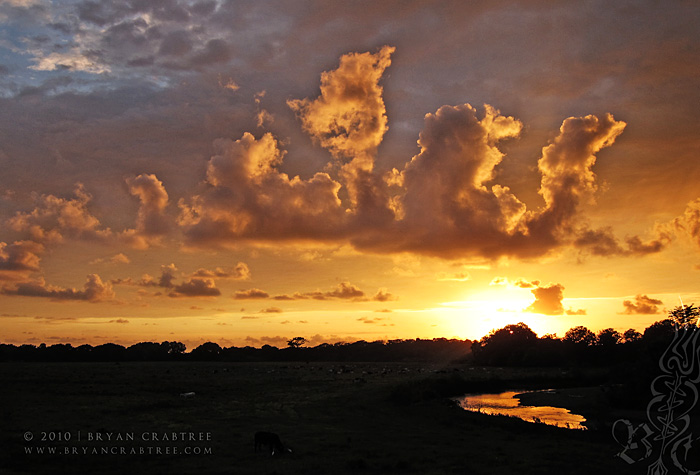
(631, 335)
(206, 351)
(108, 352)
(661, 330)
(174, 348)
(609, 337)
(511, 345)
(685, 315)
(581, 336)
(147, 351)
(296, 342)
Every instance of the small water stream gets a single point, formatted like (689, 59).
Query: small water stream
(506, 403)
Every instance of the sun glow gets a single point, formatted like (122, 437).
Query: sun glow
(480, 313)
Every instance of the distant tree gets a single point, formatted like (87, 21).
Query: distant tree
(506, 346)
(206, 351)
(581, 336)
(685, 315)
(296, 342)
(147, 351)
(174, 347)
(631, 335)
(609, 337)
(108, 352)
(662, 330)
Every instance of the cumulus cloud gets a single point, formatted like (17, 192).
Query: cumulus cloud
(250, 198)
(603, 242)
(271, 310)
(119, 258)
(167, 276)
(19, 259)
(689, 222)
(196, 287)
(251, 294)
(566, 165)
(522, 283)
(239, 272)
(55, 218)
(450, 207)
(642, 305)
(548, 299)
(349, 118)
(383, 295)
(94, 290)
(444, 202)
(344, 290)
(151, 222)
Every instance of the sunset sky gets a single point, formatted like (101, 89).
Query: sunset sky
(245, 172)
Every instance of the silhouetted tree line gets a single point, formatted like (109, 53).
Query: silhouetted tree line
(512, 345)
(418, 350)
(518, 345)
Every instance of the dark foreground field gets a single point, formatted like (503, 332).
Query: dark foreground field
(337, 418)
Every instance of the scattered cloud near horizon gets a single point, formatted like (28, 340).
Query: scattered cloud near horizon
(642, 305)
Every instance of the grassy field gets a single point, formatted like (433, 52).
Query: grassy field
(337, 418)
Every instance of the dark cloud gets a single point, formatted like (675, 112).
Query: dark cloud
(344, 291)
(383, 295)
(602, 242)
(251, 294)
(642, 305)
(239, 272)
(370, 320)
(271, 310)
(94, 290)
(196, 287)
(151, 222)
(19, 259)
(215, 51)
(167, 276)
(176, 43)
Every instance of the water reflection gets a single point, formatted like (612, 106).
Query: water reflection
(507, 404)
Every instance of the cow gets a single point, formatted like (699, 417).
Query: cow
(271, 441)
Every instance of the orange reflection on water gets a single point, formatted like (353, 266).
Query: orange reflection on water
(507, 404)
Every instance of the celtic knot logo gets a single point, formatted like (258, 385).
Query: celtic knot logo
(666, 441)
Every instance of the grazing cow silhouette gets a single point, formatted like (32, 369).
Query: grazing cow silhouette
(271, 441)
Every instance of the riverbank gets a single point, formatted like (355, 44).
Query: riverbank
(591, 402)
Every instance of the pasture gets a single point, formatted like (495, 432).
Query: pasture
(337, 418)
